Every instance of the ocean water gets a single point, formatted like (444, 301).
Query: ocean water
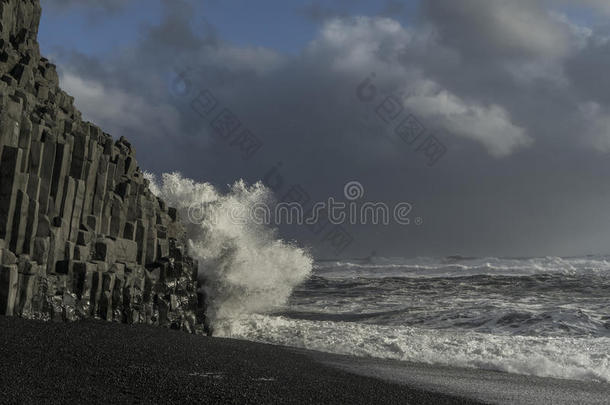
(547, 317)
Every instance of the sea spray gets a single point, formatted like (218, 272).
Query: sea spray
(244, 266)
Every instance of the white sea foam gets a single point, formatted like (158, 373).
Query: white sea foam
(564, 357)
(380, 267)
(245, 266)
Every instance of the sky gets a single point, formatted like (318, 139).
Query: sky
(515, 93)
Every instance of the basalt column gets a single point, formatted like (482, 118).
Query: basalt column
(81, 234)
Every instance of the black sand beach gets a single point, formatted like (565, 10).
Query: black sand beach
(99, 362)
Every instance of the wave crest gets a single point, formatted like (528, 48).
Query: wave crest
(543, 357)
(244, 266)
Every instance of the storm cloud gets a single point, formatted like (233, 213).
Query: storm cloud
(516, 91)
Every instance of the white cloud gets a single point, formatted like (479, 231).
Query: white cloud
(489, 125)
(520, 27)
(361, 43)
(499, 28)
(378, 44)
(117, 111)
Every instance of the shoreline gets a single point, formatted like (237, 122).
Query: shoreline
(487, 386)
(102, 362)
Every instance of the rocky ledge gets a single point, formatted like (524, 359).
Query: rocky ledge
(81, 234)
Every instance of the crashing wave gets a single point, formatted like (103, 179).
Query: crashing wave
(245, 267)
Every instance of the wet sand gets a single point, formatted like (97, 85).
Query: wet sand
(483, 385)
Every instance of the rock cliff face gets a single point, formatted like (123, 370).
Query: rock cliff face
(81, 235)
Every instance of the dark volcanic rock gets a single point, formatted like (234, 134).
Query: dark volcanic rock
(80, 231)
